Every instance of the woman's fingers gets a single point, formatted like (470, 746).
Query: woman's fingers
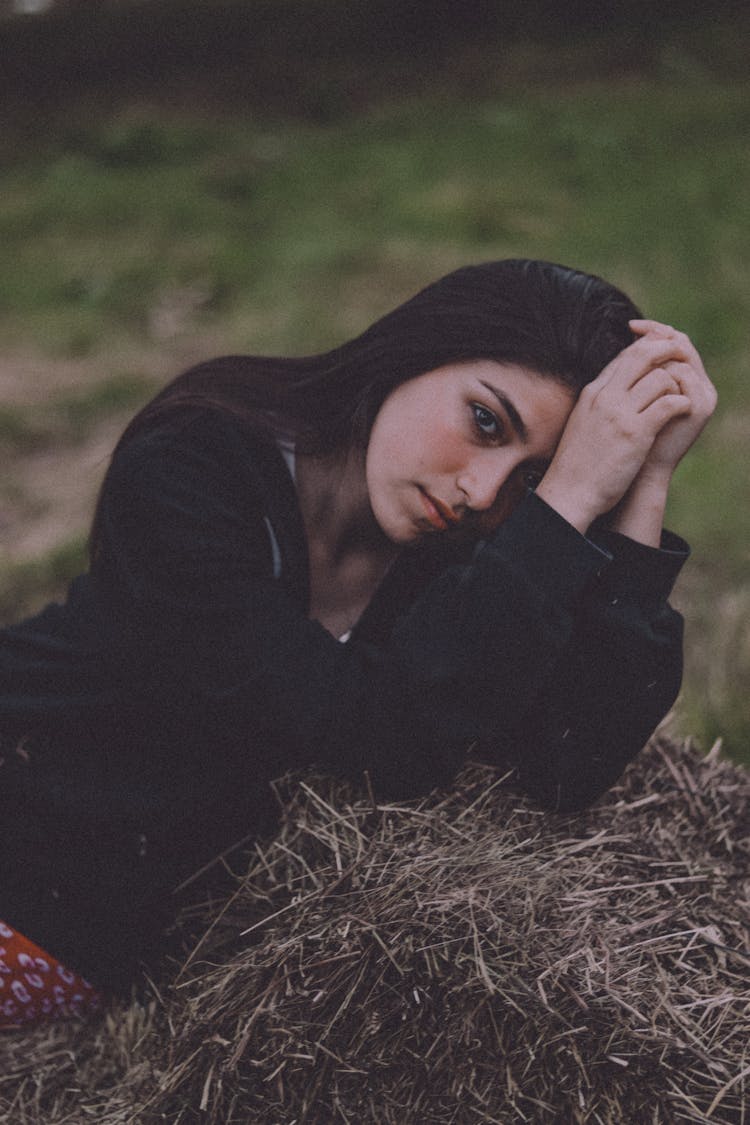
(634, 361)
(694, 382)
(642, 325)
(679, 430)
(659, 346)
(646, 407)
(664, 409)
(656, 383)
(655, 328)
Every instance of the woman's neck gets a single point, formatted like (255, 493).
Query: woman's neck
(335, 507)
(349, 554)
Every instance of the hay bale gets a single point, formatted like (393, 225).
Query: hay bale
(465, 958)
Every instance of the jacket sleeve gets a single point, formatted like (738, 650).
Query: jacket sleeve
(490, 652)
(611, 685)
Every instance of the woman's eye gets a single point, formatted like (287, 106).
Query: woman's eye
(485, 421)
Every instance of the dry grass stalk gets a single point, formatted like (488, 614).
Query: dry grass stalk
(462, 959)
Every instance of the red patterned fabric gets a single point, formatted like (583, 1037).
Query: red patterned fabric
(35, 988)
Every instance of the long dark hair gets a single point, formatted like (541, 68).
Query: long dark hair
(560, 322)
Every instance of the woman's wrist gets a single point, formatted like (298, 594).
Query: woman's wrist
(572, 505)
(640, 513)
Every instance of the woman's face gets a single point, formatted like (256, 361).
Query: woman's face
(458, 446)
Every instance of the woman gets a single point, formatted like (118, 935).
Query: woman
(259, 512)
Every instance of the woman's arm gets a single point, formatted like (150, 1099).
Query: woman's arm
(604, 692)
(615, 681)
(627, 433)
(194, 613)
(197, 624)
(623, 667)
(640, 513)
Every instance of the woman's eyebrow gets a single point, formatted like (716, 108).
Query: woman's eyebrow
(516, 420)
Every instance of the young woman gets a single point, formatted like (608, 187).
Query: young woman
(469, 495)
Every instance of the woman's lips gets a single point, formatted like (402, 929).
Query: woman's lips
(438, 513)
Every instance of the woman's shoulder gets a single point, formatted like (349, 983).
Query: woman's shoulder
(192, 431)
(204, 450)
(197, 484)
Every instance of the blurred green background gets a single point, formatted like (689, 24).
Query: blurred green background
(179, 180)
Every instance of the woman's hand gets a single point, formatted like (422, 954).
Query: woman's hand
(641, 511)
(689, 375)
(614, 426)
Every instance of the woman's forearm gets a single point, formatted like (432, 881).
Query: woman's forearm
(640, 514)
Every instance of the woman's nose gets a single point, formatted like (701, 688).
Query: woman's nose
(481, 482)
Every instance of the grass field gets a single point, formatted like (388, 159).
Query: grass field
(141, 238)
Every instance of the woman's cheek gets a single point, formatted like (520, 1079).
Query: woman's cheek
(451, 450)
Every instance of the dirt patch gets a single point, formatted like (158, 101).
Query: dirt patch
(47, 493)
(27, 378)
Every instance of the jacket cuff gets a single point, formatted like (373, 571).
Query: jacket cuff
(636, 568)
(552, 554)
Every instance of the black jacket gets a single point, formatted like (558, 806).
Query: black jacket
(141, 721)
